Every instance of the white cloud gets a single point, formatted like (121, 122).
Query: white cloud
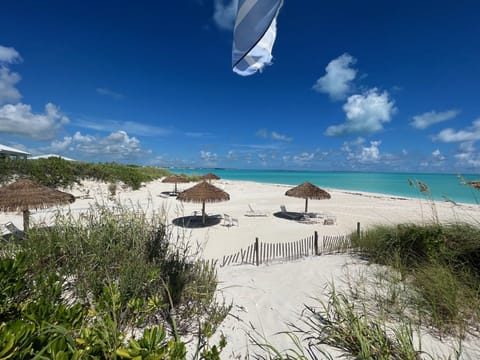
(263, 133)
(438, 155)
(61, 146)
(110, 93)
(9, 55)
(130, 127)
(8, 80)
(356, 150)
(225, 13)
(366, 113)
(116, 145)
(468, 155)
(337, 82)
(370, 153)
(19, 120)
(304, 157)
(472, 133)
(432, 117)
(208, 156)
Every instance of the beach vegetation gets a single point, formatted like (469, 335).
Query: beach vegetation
(110, 283)
(438, 263)
(57, 172)
(339, 327)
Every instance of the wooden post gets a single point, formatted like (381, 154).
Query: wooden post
(358, 229)
(256, 252)
(315, 242)
(26, 220)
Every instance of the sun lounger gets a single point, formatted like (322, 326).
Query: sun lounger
(13, 231)
(291, 215)
(252, 212)
(330, 220)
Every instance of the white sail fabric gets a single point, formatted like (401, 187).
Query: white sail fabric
(254, 34)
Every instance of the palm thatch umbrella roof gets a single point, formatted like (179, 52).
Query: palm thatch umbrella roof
(210, 176)
(308, 191)
(475, 184)
(174, 179)
(201, 193)
(24, 194)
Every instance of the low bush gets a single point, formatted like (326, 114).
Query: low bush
(81, 287)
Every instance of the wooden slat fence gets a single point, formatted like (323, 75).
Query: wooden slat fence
(263, 253)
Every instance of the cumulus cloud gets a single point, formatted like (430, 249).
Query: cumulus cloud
(438, 155)
(9, 55)
(370, 153)
(225, 13)
(61, 146)
(356, 150)
(337, 81)
(116, 145)
(263, 133)
(208, 156)
(8, 80)
(424, 120)
(366, 113)
(468, 155)
(109, 93)
(19, 120)
(471, 133)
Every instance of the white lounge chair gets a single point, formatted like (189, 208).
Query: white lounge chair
(252, 212)
(229, 220)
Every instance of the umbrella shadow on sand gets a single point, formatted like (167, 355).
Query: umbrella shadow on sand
(195, 221)
(290, 215)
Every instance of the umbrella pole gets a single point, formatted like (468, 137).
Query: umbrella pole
(203, 212)
(26, 220)
(175, 187)
(306, 204)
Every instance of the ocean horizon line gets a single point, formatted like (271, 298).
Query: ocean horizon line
(442, 186)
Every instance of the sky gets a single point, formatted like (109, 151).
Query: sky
(353, 85)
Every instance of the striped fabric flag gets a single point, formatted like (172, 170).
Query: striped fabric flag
(254, 35)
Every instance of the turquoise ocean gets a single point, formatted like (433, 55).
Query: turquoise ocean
(441, 186)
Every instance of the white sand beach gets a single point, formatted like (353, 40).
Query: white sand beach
(269, 296)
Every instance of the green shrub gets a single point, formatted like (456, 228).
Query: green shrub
(441, 262)
(56, 172)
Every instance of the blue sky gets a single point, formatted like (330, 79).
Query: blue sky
(354, 85)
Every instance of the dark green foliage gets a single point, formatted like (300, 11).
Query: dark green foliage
(76, 289)
(55, 172)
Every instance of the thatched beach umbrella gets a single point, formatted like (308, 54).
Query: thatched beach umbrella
(475, 184)
(175, 179)
(24, 194)
(201, 193)
(210, 176)
(308, 191)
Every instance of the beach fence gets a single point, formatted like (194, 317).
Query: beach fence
(263, 253)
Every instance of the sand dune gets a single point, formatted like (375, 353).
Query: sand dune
(269, 296)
